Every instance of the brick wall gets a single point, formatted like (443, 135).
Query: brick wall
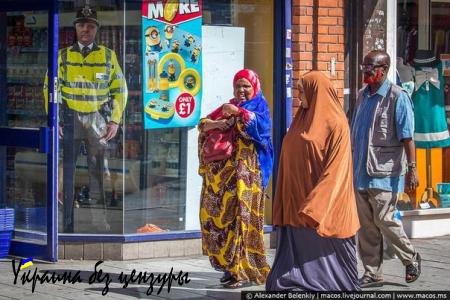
(317, 38)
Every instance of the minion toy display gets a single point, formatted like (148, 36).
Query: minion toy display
(153, 39)
(175, 46)
(160, 109)
(195, 54)
(173, 64)
(189, 39)
(168, 34)
(172, 60)
(152, 62)
(190, 81)
(171, 70)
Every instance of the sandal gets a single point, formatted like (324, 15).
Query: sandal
(367, 281)
(414, 269)
(236, 284)
(226, 277)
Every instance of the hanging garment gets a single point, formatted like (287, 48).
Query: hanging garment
(429, 111)
(439, 42)
(411, 45)
(447, 41)
(406, 76)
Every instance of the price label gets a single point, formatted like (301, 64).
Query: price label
(185, 105)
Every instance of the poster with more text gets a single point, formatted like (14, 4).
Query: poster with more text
(172, 63)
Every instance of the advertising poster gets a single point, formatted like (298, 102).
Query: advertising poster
(172, 62)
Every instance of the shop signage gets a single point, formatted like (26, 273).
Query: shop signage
(171, 62)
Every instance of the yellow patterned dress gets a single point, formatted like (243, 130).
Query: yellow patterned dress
(232, 212)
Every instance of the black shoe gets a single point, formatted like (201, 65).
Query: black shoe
(366, 282)
(226, 277)
(85, 201)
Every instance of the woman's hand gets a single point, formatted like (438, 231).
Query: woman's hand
(217, 124)
(229, 109)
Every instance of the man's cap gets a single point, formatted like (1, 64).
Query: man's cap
(86, 15)
(425, 58)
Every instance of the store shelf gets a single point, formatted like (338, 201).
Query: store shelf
(23, 112)
(165, 175)
(26, 81)
(166, 142)
(24, 64)
(33, 50)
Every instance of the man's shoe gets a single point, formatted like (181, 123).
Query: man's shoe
(85, 202)
(366, 282)
(414, 269)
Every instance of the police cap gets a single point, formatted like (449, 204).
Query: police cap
(86, 15)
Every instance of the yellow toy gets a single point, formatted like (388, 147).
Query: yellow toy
(164, 86)
(168, 34)
(175, 46)
(171, 70)
(189, 81)
(151, 82)
(189, 40)
(164, 65)
(152, 39)
(195, 54)
(159, 109)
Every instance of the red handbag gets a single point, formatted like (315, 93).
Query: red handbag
(218, 145)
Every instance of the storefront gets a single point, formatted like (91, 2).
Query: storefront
(405, 28)
(150, 181)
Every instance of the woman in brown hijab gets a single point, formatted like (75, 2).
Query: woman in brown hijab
(314, 208)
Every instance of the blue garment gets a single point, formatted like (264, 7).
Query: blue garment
(259, 129)
(430, 120)
(306, 261)
(361, 124)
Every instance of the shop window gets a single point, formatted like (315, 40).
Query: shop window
(150, 176)
(374, 12)
(166, 192)
(425, 25)
(23, 65)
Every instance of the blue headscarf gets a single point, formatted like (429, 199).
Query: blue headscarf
(259, 129)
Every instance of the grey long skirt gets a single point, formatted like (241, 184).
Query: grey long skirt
(306, 261)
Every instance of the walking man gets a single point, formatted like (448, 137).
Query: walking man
(382, 128)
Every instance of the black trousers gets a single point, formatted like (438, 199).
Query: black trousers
(74, 134)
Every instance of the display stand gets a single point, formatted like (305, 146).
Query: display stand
(430, 198)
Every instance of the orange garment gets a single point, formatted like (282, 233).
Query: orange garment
(149, 228)
(315, 177)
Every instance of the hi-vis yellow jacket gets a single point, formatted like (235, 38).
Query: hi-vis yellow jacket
(87, 83)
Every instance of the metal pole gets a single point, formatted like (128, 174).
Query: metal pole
(52, 155)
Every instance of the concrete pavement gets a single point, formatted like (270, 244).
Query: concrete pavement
(204, 281)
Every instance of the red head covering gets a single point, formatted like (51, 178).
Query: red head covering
(251, 76)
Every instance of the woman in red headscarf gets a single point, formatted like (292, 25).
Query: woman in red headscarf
(232, 199)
